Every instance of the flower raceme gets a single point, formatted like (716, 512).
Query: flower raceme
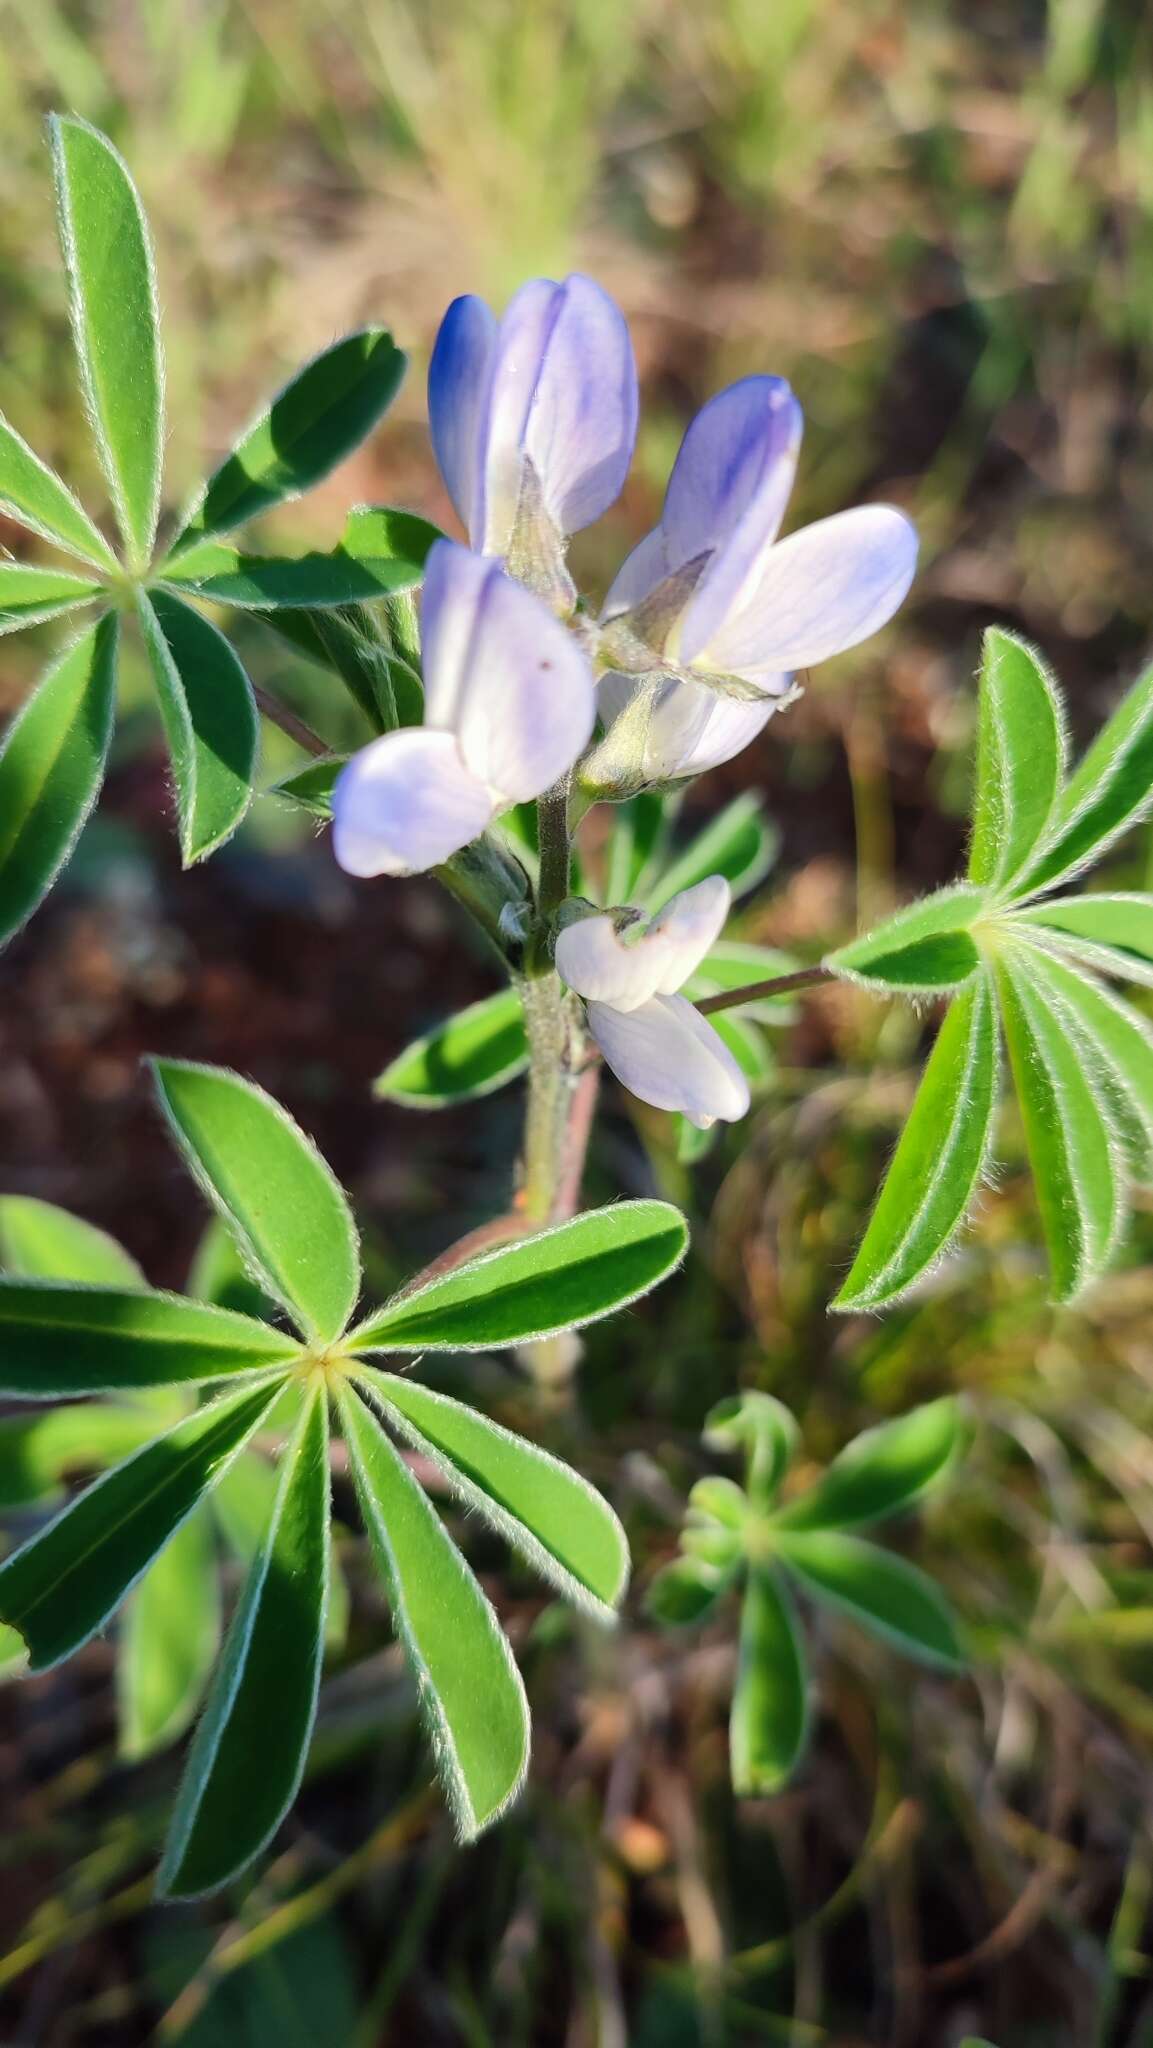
(654, 1040)
(509, 704)
(712, 595)
(533, 419)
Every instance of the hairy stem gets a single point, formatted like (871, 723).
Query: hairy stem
(753, 991)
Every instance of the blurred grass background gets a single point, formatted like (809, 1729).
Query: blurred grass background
(937, 220)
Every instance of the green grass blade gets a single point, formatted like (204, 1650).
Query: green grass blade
(923, 948)
(272, 1189)
(320, 416)
(57, 1341)
(38, 1241)
(885, 1594)
(557, 1280)
(51, 768)
(1111, 789)
(469, 1686)
(248, 1753)
(469, 1055)
(115, 322)
(1072, 1150)
(740, 843)
(939, 1161)
(33, 496)
(1020, 758)
(544, 1509)
(210, 719)
(168, 1641)
(769, 1723)
(29, 594)
(60, 1588)
(883, 1471)
(1111, 932)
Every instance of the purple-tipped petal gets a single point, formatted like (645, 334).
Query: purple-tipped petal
(458, 384)
(405, 804)
(669, 1055)
(819, 593)
(502, 674)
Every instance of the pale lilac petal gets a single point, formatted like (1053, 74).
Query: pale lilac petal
(458, 384)
(691, 728)
(405, 804)
(820, 592)
(564, 393)
(602, 966)
(687, 928)
(503, 674)
(669, 1055)
(638, 574)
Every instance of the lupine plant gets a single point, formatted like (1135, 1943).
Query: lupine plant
(492, 717)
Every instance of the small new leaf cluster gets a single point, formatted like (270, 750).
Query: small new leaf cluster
(1024, 964)
(53, 757)
(112, 1336)
(744, 1538)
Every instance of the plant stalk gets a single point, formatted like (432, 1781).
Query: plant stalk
(754, 991)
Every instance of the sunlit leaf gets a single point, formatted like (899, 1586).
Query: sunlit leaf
(51, 767)
(769, 1723)
(1122, 1044)
(882, 1471)
(229, 575)
(57, 1341)
(1111, 788)
(1020, 758)
(1113, 933)
(271, 1188)
(210, 719)
(537, 1286)
(942, 1155)
(115, 324)
(169, 1640)
(469, 1686)
(885, 1594)
(38, 1241)
(471, 1054)
(926, 946)
(33, 496)
(247, 1756)
(29, 594)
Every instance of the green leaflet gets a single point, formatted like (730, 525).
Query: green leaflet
(740, 844)
(1071, 1148)
(379, 534)
(557, 1280)
(210, 719)
(169, 1640)
(544, 1509)
(321, 415)
(218, 1275)
(480, 1049)
(112, 302)
(1121, 1038)
(311, 787)
(39, 1451)
(57, 1341)
(51, 767)
(41, 1242)
(1020, 758)
(267, 582)
(638, 830)
(763, 1430)
(63, 1585)
(1109, 790)
(926, 946)
(268, 1182)
(882, 1472)
(684, 1592)
(889, 1597)
(347, 641)
(1111, 932)
(469, 1686)
(29, 594)
(769, 1723)
(247, 1756)
(939, 1160)
(33, 495)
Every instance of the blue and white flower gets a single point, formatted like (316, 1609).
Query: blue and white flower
(711, 615)
(509, 705)
(653, 1039)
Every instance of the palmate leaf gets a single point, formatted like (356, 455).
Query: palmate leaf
(210, 719)
(544, 1509)
(557, 1280)
(940, 1160)
(1113, 933)
(322, 414)
(479, 1050)
(740, 843)
(61, 1587)
(112, 302)
(58, 1341)
(271, 1188)
(247, 1757)
(886, 1595)
(33, 496)
(470, 1688)
(1020, 758)
(882, 1472)
(51, 768)
(29, 595)
(1110, 789)
(169, 1640)
(769, 1723)
(923, 948)
(1073, 1148)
